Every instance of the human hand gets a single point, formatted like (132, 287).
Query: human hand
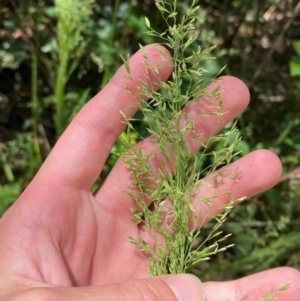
(61, 242)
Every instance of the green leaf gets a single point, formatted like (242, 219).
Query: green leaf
(295, 66)
(8, 194)
(296, 45)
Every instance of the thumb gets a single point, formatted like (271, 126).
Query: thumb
(164, 288)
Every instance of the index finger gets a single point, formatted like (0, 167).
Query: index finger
(79, 155)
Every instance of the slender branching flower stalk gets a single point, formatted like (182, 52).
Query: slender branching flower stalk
(172, 180)
(73, 17)
(173, 232)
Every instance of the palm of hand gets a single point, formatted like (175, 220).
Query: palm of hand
(67, 244)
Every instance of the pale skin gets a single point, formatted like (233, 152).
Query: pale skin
(61, 242)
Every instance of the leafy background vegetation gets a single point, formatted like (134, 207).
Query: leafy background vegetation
(259, 41)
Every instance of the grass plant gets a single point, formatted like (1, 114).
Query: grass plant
(173, 180)
(73, 17)
(174, 233)
(106, 73)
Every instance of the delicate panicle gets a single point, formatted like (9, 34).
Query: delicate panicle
(175, 192)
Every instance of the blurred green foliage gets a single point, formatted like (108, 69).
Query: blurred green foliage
(258, 41)
(295, 59)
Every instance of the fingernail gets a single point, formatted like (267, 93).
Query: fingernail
(186, 287)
